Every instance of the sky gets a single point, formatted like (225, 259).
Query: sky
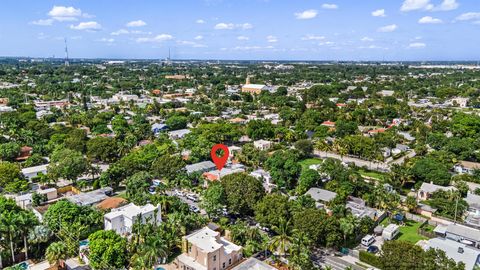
(377, 30)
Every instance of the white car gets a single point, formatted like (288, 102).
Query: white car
(179, 193)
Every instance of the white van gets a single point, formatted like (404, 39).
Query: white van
(367, 240)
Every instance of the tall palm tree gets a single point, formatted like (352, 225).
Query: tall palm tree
(283, 240)
(56, 253)
(347, 226)
(25, 221)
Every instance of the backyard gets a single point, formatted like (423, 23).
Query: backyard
(408, 231)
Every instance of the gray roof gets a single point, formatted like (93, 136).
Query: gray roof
(323, 195)
(200, 167)
(473, 200)
(253, 264)
(464, 231)
(455, 250)
(430, 188)
(90, 198)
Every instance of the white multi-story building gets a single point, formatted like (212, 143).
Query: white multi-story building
(121, 219)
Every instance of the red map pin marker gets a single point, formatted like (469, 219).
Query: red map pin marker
(219, 161)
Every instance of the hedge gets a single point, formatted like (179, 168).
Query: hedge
(370, 259)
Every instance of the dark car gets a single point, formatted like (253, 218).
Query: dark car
(372, 249)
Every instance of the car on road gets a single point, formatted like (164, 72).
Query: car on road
(152, 190)
(372, 249)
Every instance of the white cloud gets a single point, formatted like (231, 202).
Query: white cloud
(137, 23)
(272, 39)
(251, 48)
(46, 22)
(200, 21)
(120, 32)
(469, 16)
(409, 5)
(199, 37)
(448, 5)
(313, 37)
(388, 28)
(417, 45)
(191, 44)
(224, 26)
(307, 14)
(231, 26)
(379, 13)
(107, 40)
(246, 26)
(429, 20)
(157, 38)
(62, 11)
(243, 38)
(365, 39)
(329, 6)
(90, 26)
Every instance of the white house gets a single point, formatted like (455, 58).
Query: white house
(121, 219)
(262, 144)
(466, 167)
(31, 172)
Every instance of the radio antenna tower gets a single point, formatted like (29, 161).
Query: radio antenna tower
(66, 54)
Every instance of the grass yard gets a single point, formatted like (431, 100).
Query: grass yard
(408, 231)
(376, 175)
(309, 161)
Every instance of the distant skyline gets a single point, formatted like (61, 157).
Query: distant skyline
(358, 30)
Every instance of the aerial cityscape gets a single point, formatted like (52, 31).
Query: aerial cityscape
(240, 135)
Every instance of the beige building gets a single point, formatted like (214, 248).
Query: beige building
(253, 88)
(205, 249)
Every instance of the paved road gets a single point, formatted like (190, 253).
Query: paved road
(187, 201)
(371, 165)
(339, 263)
(400, 160)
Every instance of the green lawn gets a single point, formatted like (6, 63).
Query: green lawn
(309, 161)
(377, 175)
(408, 231)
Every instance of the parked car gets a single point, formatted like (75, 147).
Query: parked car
(152, 190)
(367, 240)
(193, 208)
(179, 193)
(372, 249)
(192, 197)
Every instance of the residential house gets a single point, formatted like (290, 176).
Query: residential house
(178, 134)
(200, 167)
(464, 234)
(265, 177)
(215, 175)
(121, 219)
(92, 197)
(31, 172)
(457, 251)
(427, 189)
(157, 128)
(466, 167)
(321, 196)
(205, 249)
(253, 264)
(359, 209)
(262, 144)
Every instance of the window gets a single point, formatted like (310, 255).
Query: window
(214, 259)
(229, 261)
(223, 265)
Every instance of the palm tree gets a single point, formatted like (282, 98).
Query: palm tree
(9, 228)
(25, 221)
(347, 226)
(56, 253)
(282, 241)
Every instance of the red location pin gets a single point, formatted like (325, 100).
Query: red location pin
(219, 161)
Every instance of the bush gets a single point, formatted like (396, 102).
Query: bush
(370, 258)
